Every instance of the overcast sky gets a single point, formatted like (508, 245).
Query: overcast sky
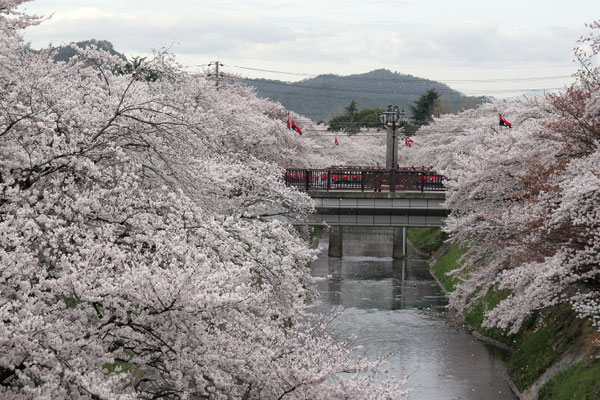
(499, 48)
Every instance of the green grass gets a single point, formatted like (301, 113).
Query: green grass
(537, 349)
(316, 231)
(476, 312)
(532, 357)
(427, 240)
(447, 263)
(580, 381)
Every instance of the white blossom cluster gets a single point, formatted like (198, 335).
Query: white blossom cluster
(135, 259)
(526, 199)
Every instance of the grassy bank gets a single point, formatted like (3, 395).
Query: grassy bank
(543, 341)
(426, 240)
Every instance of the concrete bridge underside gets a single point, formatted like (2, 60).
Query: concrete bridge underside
(398, 210)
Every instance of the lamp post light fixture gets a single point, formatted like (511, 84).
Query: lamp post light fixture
(392, 119)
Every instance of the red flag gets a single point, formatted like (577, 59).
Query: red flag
(288, 123)
(408, 141)
(296, 128)
(504, 122)
(336, 142)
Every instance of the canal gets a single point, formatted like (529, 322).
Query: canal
(395, 306)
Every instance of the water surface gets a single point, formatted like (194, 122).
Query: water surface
(395, 306)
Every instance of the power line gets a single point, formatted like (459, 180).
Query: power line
(383, 90)
(394, 91)
(272, 71)
(401, 93)
(412, 79)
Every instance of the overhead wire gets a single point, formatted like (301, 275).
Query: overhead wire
(391, 95)
(383, 90)
(404, 78)
(412, 78)
(397, 91)
(272, 71)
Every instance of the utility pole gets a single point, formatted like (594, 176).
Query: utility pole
(392, 119)
(218, 75)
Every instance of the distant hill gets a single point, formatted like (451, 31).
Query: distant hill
(326, 96)
(65, 53)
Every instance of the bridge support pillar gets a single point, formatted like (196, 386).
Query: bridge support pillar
(399, 249)
(335, 241)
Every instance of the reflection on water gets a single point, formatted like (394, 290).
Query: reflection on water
(395, 306)
(381, 283)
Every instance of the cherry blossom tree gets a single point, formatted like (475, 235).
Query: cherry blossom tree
(563, 224)
(136, 256)
(524, 199)
(365, 148)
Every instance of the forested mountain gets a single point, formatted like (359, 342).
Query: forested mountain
(326, 96)
(65, 52)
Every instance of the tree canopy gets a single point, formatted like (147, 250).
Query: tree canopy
(65, 53)
(525, 200)
(137, 255)
(425, 107)
(353, 120)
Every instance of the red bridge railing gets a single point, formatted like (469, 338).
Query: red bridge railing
(365, 179)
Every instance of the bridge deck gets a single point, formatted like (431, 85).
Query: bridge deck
(356, 208)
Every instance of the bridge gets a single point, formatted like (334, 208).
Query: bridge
(358, 196)
(366, 179)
